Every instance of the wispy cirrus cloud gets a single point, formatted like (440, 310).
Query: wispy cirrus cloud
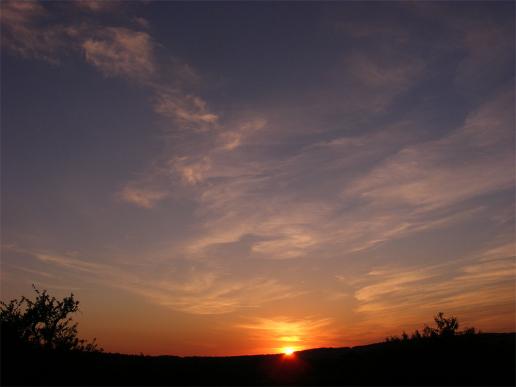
(119, 51)
(217, 296)
(465, 286)
(25, 33)
(417, 174)
(28, 30)
(401, 194)
(97, 6)
(488, 51)
(374, 72)
(188, 110)
(116, 51)
(412, 176)
(69, 261)
(181, 286)
(236, 136)
(145, 197)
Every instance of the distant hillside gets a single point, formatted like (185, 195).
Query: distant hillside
(481, 359)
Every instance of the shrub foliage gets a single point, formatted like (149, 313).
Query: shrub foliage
(445, 327)
(44, 322)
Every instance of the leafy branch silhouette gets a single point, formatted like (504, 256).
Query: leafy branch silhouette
(44, 322)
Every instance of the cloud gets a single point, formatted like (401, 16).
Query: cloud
(417, 174)
(373, 84)
(391, 282)
(176, 284)
(141, 22)
(488, 126)
(283, 230)
(232, 139)
(284, 326)
(24, 34)
(37, 273)
(351, 193)
(118, 51)
(68, 261)
(373, 72)
(502, 251)
(289, 244)
(379, 63)
(465, 287)
(97, 6)
(489, 55)
(217, 297)
(188, 110)
(192, 171)
(141, 197)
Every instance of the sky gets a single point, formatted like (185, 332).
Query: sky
(223, 178)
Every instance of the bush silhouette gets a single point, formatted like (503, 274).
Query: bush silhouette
(445, 327)
(42, 323)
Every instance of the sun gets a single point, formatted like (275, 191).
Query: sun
(288, 351)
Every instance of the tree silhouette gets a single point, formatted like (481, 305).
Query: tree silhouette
(42, 323)
(446, 327)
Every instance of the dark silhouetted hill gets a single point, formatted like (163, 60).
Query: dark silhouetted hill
(479, 359)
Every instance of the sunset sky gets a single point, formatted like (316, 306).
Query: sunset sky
(236, 178)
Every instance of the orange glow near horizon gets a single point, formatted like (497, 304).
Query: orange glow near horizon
(288, 351)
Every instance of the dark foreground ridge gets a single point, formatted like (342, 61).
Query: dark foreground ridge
(480, 359)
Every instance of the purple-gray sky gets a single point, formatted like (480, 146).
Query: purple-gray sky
(237, 177)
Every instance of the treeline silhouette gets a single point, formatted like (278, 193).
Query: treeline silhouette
(445, 327)
(40, 346)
